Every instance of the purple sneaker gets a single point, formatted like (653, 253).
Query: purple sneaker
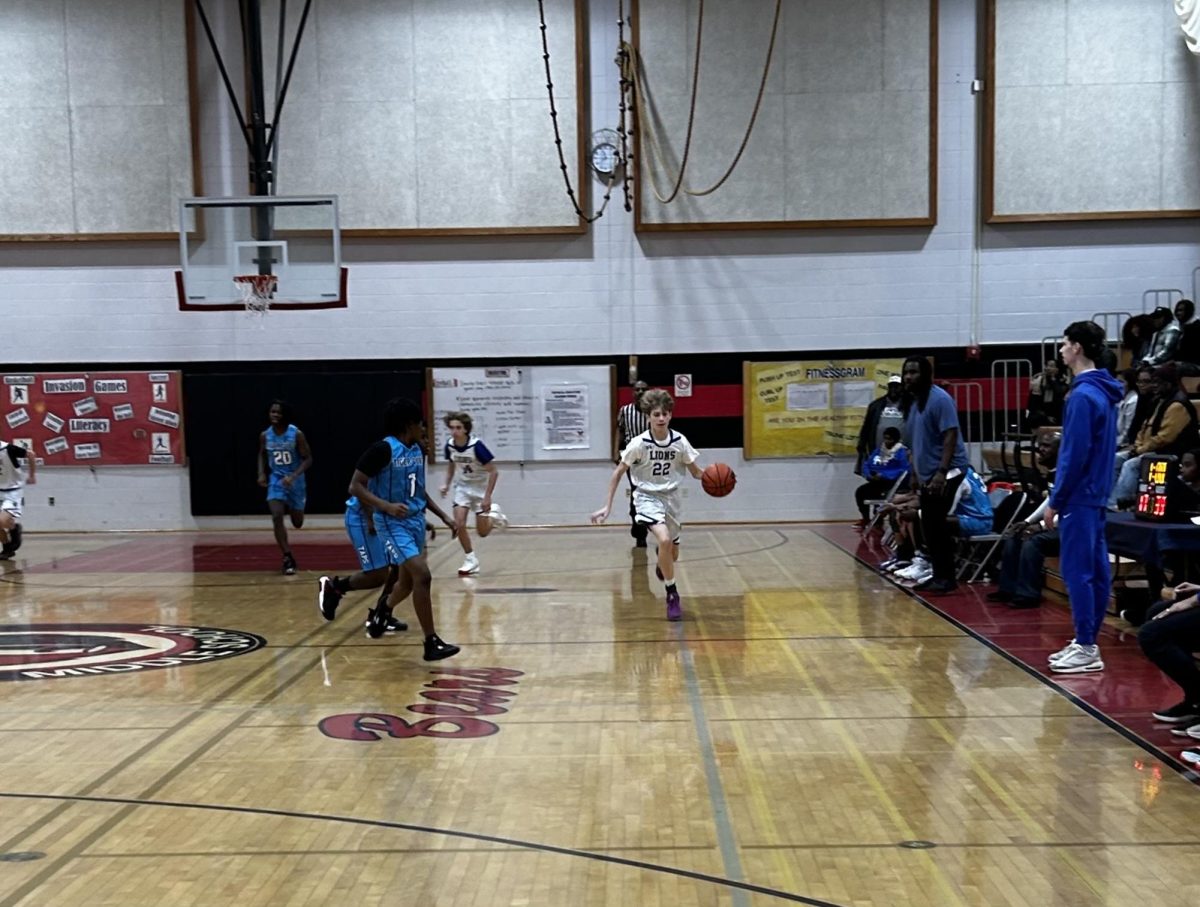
(674, 610)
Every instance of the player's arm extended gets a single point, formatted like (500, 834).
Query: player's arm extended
(449, 478)
(493, 474)
(695, 469)
(438, 512)
(602, 514)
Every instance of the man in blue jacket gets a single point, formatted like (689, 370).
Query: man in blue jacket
(1081, 489)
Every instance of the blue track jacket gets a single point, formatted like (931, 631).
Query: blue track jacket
(1089, 441)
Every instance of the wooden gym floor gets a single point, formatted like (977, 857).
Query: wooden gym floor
(807, 734)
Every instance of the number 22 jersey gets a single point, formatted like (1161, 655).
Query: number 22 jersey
(658, 466)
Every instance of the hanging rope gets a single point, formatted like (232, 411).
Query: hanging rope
(562, 161)
(652, 142)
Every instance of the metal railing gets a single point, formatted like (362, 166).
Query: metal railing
(1152, 299)
(968, 400)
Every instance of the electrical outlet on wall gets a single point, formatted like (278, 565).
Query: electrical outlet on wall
(51, 500)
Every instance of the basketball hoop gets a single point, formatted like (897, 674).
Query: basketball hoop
(256, 290)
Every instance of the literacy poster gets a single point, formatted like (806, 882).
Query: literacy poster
(804, 409)
(95, 418)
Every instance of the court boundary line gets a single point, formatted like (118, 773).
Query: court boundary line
(514, 843)
(1180, 768)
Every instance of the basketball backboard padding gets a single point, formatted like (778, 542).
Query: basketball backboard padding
(294, 238)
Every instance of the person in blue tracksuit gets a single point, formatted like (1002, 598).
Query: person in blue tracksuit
(1083, 482)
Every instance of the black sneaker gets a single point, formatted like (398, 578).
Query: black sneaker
(1024, 604)
(1178, 714)
(395, 626)
(377, 621)
(289, 565)
(328, 597)
(436, 649)
(937, 586)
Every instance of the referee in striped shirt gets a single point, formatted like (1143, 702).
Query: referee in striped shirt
(632, 421)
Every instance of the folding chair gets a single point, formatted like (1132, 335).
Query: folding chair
(1007, 507)
(875, 506)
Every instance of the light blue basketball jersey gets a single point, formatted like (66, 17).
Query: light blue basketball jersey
(283, 455)
(403, 480)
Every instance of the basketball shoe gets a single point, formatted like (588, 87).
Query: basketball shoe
(470, 566)
(674, 608)
(436, 648)
(377, 620)
(499, 520)
(328, 597)
(289, 565)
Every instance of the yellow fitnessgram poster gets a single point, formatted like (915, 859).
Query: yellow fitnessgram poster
(804, 409)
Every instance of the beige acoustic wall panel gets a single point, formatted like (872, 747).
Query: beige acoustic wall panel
(426, 116)
(1093, 111)
(95, 117)
(843, 133)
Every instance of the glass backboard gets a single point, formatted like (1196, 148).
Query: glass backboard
(294, 238)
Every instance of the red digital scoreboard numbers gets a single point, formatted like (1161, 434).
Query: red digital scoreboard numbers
(1155, 475)
(95, 418)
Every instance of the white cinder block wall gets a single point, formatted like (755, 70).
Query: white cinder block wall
(607, 293)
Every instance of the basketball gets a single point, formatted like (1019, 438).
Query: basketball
(718, 480)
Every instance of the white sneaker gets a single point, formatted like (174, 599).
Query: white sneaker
(469, 566)
(919, 567)
(923, 577)
(1061, 653)
(499, 520)
(1079, 660)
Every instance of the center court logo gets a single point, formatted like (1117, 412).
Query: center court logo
(48, 651)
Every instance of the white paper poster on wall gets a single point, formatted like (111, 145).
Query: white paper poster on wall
(529, 412)
(564, 415)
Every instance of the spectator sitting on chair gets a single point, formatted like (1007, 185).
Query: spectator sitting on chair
(1028, 543)
(1127, 408)
(970, 514)
(1135, 336)
(1166, 339)
(1188, 354)
(1168, 638)
(1171, 429)
(883, 413)
(1047, 391)
(881, 469)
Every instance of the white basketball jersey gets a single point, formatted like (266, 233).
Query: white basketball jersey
(12, 472)
(469, 471)
(658, 466)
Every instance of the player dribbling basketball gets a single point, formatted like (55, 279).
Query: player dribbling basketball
(657, 460)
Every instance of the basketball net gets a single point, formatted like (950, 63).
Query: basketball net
(256, 290)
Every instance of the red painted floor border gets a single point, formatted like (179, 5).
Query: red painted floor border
(1123, 695)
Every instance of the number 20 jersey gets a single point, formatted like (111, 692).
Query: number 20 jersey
(283, 453)
(658, 466)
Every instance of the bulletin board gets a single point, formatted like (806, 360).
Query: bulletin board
(95, 418)
(526, 413)
(805, 409)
